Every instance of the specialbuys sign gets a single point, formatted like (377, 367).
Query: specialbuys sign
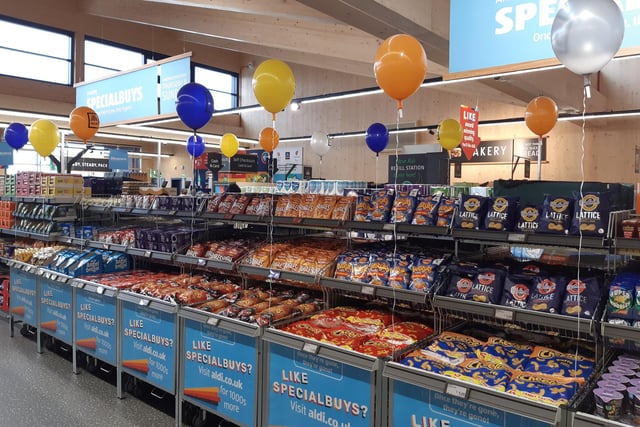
(132, 96)
(494, 33)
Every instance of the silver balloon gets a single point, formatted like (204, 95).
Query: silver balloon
(586, 34)
(320, 143)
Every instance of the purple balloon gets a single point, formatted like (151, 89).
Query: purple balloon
(16, 135)
(377, 137)
(195, 145)
(194, 105)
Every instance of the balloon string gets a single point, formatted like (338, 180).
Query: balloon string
(395, 230)
(582, 178)
(272, 206)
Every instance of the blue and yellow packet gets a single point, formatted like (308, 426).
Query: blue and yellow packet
(444, 214)
(528, 219)
(591, 214)
(378, 272)
(556, 216)
(424, 272)
(501, 214)
(499, 352)
(421, 360)
(363, 208)
(550, 389)
(471, 212)
(544, 360)
(546, 293)
(399, 274)
(455, 342)
(381, 203)
(426, 210)
(403, 208)
(474, 371)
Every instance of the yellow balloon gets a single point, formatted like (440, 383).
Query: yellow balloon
(449, 133)
(273, 85)
(229, 145)
(44, 136)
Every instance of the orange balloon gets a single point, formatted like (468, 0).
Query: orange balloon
(400, 66)
(541, 115)
(84, 122)
(269, 139)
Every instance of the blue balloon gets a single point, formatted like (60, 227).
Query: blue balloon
(195, 145)
(16, 135)
(377, 137)
(194, 105)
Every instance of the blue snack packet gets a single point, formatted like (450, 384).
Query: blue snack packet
(528, 219)
(501, 215)
(487, 285)
(426, 210)
(471, 212)
(556, 216)
(591, 214)
(546, 293)
(516, 290)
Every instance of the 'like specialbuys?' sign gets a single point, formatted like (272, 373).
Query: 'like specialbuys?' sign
(469, 118)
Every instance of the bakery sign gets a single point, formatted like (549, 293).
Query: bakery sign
(503, 151)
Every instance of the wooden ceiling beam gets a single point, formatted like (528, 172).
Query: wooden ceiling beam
(288, 9)
(331, 40)
(383, 19)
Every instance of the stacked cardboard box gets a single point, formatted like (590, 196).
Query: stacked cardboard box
(9, 188)
(6, 214)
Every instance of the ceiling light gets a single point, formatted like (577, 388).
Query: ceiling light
(136, 154)
(294, 106)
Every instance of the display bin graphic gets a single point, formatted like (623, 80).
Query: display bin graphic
(220, 366)
(421, 398)
(23, 294)
(148, 340)
(56, 307)
(95, 313)
(311, 383)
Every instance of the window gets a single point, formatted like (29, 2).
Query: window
(27, 159)
(222, 84)
(102, 59)
(35, 52)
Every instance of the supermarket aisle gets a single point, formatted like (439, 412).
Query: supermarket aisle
(41, 390)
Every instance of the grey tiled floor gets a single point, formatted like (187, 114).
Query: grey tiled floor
(41, 390)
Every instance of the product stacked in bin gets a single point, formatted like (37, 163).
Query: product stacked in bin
(175, 288)
(314, 206)
(263, 306)
(228, 250)
(307, 256)
(617, 391)
(387, 266)
(375, 332)
(7, 219)
(167, 238)
(75, 262)
(586, 213)
(526, 286)
(534, 372)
